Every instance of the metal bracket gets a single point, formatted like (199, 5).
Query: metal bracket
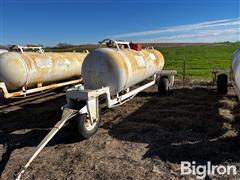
(112, 43)
(93, 109)
(22, 48)
(170, 73)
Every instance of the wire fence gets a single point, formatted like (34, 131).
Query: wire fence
(196, 69)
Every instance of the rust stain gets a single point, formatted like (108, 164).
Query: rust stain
(131, 56)
(118, 60)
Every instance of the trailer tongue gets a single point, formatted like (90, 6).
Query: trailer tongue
(67, 114)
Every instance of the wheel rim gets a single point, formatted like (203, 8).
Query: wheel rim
(88, 125)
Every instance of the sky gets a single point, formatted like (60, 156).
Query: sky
(49, 22)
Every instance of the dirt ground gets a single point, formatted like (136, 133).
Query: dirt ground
(146, 138)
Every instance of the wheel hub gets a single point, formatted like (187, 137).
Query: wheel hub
(88, 125)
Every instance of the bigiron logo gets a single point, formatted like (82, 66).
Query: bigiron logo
(201, 171)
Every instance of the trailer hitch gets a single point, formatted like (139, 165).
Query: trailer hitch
(67, 115)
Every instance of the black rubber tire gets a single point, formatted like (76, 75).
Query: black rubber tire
(163, 86)
(81, 131)
(222, 84)
(3, 101)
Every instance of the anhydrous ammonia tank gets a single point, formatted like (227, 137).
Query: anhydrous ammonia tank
(18, 70)
(236, 70)
(3, 51)
(119, 69)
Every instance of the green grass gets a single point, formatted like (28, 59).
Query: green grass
(199, 59)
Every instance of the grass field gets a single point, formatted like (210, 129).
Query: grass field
(198, 59)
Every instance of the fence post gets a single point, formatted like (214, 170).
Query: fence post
(184, 73)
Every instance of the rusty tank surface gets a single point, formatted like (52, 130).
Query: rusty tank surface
(119, 68)
(20, 70)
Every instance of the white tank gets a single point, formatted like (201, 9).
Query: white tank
(18, 70)
(119, 69)
(3, 51)
(236, 70)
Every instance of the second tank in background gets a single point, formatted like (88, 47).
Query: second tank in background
(27, 69)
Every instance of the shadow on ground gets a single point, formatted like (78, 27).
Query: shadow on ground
(193, 124)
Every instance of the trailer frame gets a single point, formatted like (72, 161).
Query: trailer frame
(90, 97)
(40, 88)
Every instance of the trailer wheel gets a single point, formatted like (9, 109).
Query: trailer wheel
(222, 84)
(84, 128)
(163, 86)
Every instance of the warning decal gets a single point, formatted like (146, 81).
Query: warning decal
(140, 60)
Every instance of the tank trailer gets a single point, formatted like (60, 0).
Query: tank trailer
(110, 74)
